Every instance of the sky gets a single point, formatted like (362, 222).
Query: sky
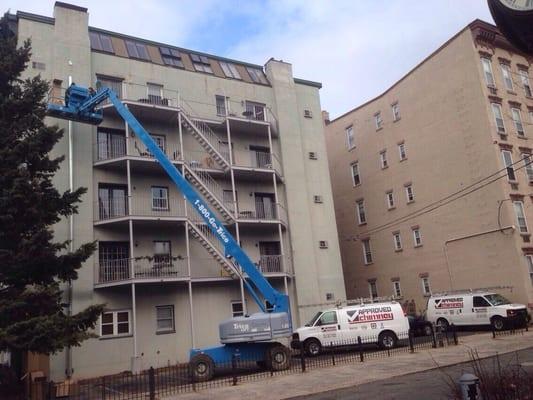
(356, 48)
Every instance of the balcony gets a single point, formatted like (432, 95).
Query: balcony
(142, 208)
(247, 163)
(262, 214)
(140, 269)
(271, 264)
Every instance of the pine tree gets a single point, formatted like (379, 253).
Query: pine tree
(33, 267)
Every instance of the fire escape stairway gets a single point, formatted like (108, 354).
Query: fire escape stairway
(207, 139)
(200, 231)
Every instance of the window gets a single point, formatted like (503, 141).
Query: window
(155, 93)
(517, 119)
(506, 74)
(159, 198)
(529, 260)
(361, 215)
(373, 289)
(160, 140)
(480, 302)
(112, 201)
(137, 50)
(111, 143)
(508, 164)
(390, 199)
(355, 174)
(328, 318)
(164, 318)
(162, 254)
(397, 241)
(230, 70)
(115, 84)
(367, 251)
(201, 63)
(417, 237)
(221, 105)
(524, 78)
(101, 42)
(378, 120)
(255, 111)
(498, 117)
(401, 150)
(528, 163)
(171, 57)
(115, 323)
(383, 159)
(487, 70)
(396, 289)
(426, 287)
(395, 112)
(531, 117)
(257, 75)
(237, 309)
(520, 216)
(350, 138)
(409, 193)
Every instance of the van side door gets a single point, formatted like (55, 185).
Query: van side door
(480, 311)
(328, 324)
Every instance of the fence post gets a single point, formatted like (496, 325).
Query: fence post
(191, 376)
(434, 336)
(411, 344)
(103, 387)
(302, 355)
(234, 369)
(493, 331)
(332, 352)
(360, 348)
(50, 394)
(454, 331)
(151, 383)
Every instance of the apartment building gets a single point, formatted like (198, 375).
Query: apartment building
(460, 122)
(249, 138)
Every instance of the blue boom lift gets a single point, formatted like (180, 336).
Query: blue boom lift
(248, 338)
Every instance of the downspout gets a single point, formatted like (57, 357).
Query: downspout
(467, 237)
(68, 369)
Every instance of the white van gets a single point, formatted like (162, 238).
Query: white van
(474, 308)
(383, 322)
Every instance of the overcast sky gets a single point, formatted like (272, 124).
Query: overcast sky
(356, 48)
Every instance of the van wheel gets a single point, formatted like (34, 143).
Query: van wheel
(497, 323)
(387, 340)
(202, 368)
(444, 324)
(278, 358)
(312, 347)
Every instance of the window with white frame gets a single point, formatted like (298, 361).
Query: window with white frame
(230, 70)
(378, 120)
(355, 173)
(426, 287)
(397, 239)
(396, 289)
(520, 216)
(531, 116)
(401, 150)
(409, 193)
(528, 165)
(237, 309)
(162, 254)
(114, 84)
(517, 119)
(508, 164)
(507, 78)
(221, 105)
(395, 112)
(115, 323)
(373, 289)
(164, 318)
(159, 198)
(498, 117)
(383, 159)
(155, 93)
(417, 237)
(529, 260)
(390, 199)
(524, 78)
(350, 137)
(487, 71)
(367, 251)
(361, 214)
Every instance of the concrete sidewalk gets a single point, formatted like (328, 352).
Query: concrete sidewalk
(342, 376)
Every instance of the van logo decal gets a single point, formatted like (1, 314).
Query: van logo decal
(455, 302)
(373, 314)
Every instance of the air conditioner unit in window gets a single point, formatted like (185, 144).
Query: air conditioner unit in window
(317, 199)
(323, 244)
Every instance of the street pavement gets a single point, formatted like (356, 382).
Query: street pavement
(385, 370)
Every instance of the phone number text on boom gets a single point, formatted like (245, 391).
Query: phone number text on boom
(212, 221)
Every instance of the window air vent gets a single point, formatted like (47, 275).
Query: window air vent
(317, 199)
(308, 114)
(323, 244)
(313, 156)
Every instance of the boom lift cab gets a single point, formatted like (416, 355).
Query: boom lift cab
(248, 338)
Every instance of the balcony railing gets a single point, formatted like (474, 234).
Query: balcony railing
(258, 159)
(141, 206)
(109, 148)
(264, 213)
(271, 264)
(139, 268)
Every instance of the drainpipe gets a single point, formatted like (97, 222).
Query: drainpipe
(68, 353)
(467, 237)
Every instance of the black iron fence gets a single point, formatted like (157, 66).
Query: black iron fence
(516, 326)
(154, 383)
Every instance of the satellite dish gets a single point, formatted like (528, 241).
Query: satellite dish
(514, 19)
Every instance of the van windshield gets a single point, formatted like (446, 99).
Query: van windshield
(497, 299)
(313, 320)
